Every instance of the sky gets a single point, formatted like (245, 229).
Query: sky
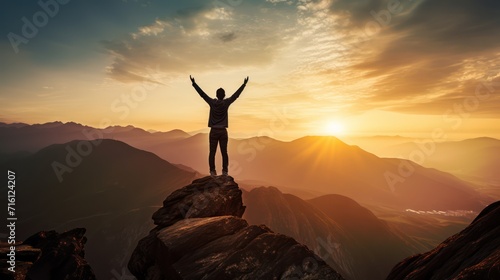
(316, 67)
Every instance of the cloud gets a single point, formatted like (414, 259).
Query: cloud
(203, 38)
(424, 58)
(473, 97)
(227, 37)
(459, 25)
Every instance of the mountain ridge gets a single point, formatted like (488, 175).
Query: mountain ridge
(354, 255)
(473, 253)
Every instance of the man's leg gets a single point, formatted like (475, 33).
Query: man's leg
(223, 149)
(213, 139)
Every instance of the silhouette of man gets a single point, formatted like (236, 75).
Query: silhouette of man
(218, 122)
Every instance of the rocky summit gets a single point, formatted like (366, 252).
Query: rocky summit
(48, 255)
(200, 235)
(473, 253)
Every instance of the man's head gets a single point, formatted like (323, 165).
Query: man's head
(221, 94)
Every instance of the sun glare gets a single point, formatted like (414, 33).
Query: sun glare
(334, 128)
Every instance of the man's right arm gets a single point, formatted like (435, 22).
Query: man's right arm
(200, 91)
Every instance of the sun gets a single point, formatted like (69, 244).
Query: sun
(334, 128)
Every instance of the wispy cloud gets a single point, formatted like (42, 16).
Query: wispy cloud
(425, 59)
(205, 38)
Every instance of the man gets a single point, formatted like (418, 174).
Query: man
(218, 122)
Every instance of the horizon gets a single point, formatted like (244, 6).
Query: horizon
(237, 136)
(323, 67)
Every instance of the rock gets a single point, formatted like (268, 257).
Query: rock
(205, 197)
(474, 253)
(49, 255)
(200, 235)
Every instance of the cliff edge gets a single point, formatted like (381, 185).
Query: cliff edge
(200, 235)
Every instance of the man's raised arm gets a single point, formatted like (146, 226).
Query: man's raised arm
(200, 91)
(239, 91)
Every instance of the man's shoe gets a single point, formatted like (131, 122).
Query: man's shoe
(224, 173)
(213, 173)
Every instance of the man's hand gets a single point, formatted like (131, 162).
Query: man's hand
(192, 79)
(245, 81)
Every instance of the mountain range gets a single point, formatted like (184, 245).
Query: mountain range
(356, 220)
(316, 165)
(115, 188)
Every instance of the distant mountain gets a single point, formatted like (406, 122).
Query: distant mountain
(107, 186)
(200, 235)
(473, 253)
(476, 157)
(31, 138)
(377, 144)
(349, 237)
(17, 125)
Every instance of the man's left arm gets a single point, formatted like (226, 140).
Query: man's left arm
(239, 91)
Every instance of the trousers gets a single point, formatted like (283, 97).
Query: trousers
(218, 136)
